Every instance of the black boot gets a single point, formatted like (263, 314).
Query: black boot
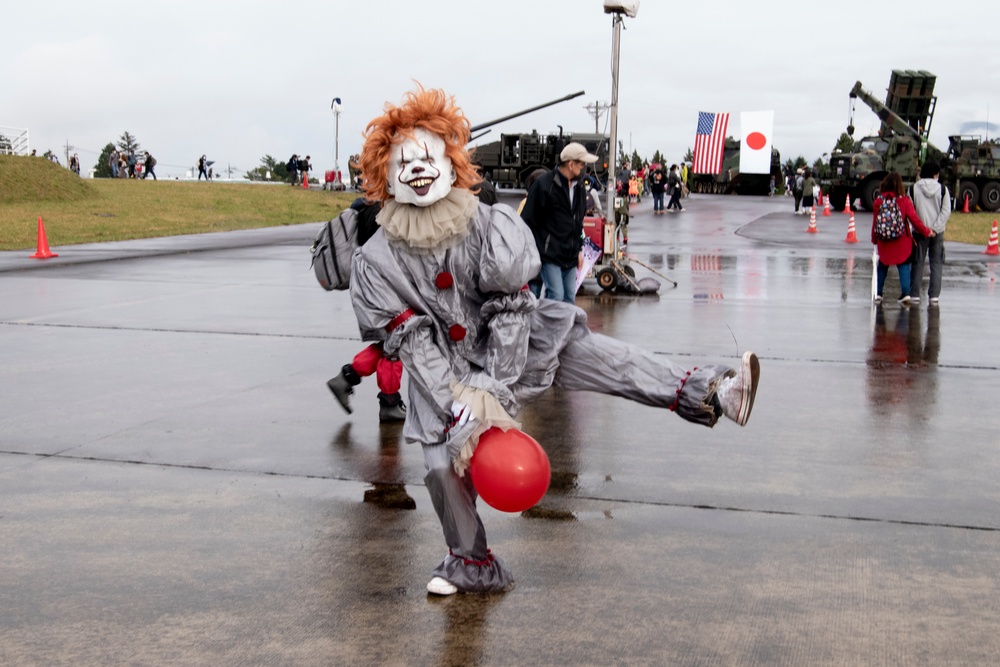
(343, 385)
(391, 408)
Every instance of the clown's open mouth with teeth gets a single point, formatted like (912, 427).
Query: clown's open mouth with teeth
(421, 185)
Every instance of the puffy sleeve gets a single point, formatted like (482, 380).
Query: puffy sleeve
(508, 260)
(384, 314)
(376, 303)
(508, 256)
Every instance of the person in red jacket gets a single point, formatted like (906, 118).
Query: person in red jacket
(896, 252)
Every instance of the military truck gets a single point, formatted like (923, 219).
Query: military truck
(970, 168)
(509, 161)
(974, 172)
(731, 181)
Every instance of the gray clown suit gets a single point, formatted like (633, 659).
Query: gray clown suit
(459, 314)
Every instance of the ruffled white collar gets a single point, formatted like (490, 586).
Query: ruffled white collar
(440, 225)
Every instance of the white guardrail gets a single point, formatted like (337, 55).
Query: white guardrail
(14, 141)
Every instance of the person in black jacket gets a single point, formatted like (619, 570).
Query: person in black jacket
(657, 185)
(148, 165)
(554, 211)
(674, 188)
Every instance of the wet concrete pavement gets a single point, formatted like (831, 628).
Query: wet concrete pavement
(177, 486)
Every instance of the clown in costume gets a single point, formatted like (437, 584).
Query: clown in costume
(443, 286)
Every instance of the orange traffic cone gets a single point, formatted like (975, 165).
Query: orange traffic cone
(42, 251)
(992, 248)
(852, 235)
(965, 209)
(812, 220)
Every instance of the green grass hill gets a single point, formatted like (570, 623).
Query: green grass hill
(25, 179)
(77, 210)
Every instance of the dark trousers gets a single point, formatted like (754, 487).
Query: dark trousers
(675, 199)
(657, 201)
(927, 249)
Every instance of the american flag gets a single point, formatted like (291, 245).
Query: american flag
(709, 142)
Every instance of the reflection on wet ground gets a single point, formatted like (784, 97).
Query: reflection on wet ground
(390, 496)
(902, 372)
(466, 625)
(244, 517)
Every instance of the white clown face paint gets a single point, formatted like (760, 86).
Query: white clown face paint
(420, 173)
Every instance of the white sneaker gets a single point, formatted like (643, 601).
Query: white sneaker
(440, 586)
(736, 394)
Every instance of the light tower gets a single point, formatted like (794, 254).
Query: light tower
(338, 184)
(617, 8)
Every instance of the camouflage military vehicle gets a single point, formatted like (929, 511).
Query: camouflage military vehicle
(731, 181)
(508, 162)
(970, 168)
(974, 172)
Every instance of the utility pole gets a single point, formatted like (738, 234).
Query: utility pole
(596, 110)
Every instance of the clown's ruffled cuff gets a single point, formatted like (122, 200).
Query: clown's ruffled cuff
(487, 412)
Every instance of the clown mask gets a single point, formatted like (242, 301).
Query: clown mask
(420, 172)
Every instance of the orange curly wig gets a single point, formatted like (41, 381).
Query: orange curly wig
(430, 110)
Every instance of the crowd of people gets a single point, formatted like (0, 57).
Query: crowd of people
(631, 185)
(298, 169)
(125, 164)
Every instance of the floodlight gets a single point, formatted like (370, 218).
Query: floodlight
(627, 7)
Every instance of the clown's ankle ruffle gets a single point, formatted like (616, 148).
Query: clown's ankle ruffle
(469, 575)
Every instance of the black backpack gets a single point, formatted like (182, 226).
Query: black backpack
(332, 251)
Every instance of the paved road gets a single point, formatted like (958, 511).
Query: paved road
(178, 487)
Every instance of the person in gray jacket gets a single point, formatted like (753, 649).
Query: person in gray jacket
(933, 203)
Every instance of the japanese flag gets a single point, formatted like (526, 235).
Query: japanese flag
(755, 149)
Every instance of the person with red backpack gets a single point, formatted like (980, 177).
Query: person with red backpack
(894, 213)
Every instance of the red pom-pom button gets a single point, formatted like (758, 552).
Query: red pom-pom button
(444, 280)
(456, 332)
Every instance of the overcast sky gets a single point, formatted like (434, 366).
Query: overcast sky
(240, 79)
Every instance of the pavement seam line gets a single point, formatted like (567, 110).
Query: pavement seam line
(713, 508)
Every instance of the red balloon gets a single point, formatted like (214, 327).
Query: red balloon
(510, 470)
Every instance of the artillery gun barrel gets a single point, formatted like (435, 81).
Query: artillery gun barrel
(888, 117)
(481, 126)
